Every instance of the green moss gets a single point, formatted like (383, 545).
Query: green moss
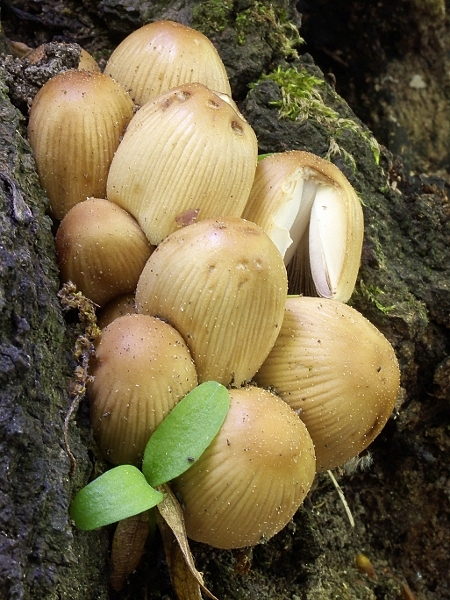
(271, 23)
(280, 32)
(212, 15)
(301, 99)
(373, 294)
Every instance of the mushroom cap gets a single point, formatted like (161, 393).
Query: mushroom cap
(188, 150)
(141, 370)
(222, 284)
(88, 62)
(338, 371)
(118, 307)
(250, 481)
(76, 122)
(163, 55)
(101, 249)
(312, 213)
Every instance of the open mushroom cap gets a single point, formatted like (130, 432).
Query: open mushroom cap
(338, 371)
(76, 122)
(253, 477)
(222, 284)
(188, 150)
(141, 370)
(314, 216)
(163, 55)
(101, 249)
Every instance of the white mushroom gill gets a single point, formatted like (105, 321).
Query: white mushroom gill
(314, 216)
(327, 240)
(312, 206)
(291, 220)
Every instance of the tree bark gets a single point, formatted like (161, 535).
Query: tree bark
(41, 555)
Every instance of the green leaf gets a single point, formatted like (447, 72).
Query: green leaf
(263, 156)
(119, 493)
(185, 433)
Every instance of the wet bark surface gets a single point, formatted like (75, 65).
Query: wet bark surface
(401, 503)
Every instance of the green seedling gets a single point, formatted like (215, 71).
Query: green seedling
(117, 494)
(185, 433)
(179, 440)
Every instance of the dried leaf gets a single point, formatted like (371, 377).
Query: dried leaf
(128, 547)
(186, 580)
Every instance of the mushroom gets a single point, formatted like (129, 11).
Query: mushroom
(76, 122)
(186, 150)
(101, 249)
(250, 481)
(222, 284)
(163, 55)
(338, 371)
(118, 307)
(312, 213)
(141, 370)
(88, 62)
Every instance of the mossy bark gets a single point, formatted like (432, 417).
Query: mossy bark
(400, 504)
(41, 555)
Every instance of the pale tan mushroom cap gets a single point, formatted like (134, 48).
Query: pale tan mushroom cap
(338, 371)
(222, 284)
(187, 150)
(251, 480)
(162, 55)
(142, 369)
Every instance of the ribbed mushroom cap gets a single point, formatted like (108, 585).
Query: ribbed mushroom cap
(222, 284)
(312, 213)
(250, 481)
(163, 55)
(338, 371)
(142, 369)
(76, 121)
(101, 249)
(188, 150)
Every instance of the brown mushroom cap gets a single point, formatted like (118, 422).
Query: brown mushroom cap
(222, 284)
(338, 371)
(118, 307)
(163, 55)
(101, 249)
(142, 369)
(250, 481)
(76, 121)
(188, 150)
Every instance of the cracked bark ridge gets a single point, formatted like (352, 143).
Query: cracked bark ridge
(40, 555)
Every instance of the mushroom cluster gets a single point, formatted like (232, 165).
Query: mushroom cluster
(189, 246)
